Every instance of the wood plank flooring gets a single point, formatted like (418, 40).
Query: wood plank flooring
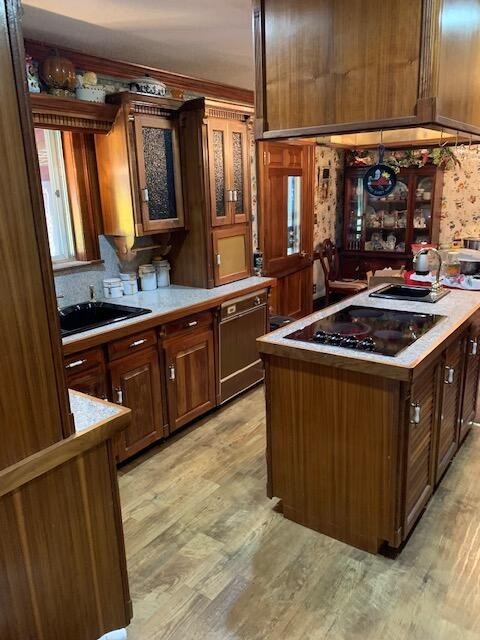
(210, 559)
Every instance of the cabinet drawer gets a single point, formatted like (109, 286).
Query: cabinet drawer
(79, 362)
(131, 344)
(188, 324)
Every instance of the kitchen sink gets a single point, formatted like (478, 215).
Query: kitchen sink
(406, 292)
(89, 315)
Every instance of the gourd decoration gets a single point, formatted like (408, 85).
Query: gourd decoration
(58, 74)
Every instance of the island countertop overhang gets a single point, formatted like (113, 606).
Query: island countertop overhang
(457, 309)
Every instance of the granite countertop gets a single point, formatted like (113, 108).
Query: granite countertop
(173, 299)
(457, 307)
(87, 411)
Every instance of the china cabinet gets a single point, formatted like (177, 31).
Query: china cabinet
(215, 143)
(379, 232)
(139, 167)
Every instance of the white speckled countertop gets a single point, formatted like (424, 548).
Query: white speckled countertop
(170, 300)
(457, 307)
(89, 411)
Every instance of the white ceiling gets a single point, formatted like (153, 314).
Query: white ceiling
(209, 39)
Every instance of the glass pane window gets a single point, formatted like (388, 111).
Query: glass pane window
(237, 157)
(55, 194)
(219, 171)
(159, 173)
(294, 184)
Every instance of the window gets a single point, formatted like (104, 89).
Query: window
(55, 195)
(68, 172)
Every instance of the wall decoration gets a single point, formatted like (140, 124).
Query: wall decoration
(444, 157)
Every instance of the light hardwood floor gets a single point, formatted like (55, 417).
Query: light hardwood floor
(209, 558)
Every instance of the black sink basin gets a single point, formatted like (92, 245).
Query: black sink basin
(89, 315)
(405, 292)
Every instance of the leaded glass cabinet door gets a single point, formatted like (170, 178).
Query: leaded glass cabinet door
(159, 174)
(219, 162)
(239, 158)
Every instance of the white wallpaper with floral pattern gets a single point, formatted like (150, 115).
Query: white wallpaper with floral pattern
(460, 214)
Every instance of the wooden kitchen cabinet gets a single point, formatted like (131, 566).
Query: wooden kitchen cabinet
(448, 424)
(231, 249)
(86, 372)
(136, 384)
(420, 443)
(190, 367)
(228, 155)
(215, 145)
(470, 380)
(139, 167)
(320, 67)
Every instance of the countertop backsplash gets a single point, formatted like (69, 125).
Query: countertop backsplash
(73, 285)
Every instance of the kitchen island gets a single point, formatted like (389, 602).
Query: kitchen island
(357, 441)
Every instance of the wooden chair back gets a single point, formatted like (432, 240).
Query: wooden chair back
(329, 260)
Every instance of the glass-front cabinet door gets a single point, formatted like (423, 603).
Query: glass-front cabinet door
(228, 150)
(159, 174)
(422, 214)
(378, 224)
(239, 157)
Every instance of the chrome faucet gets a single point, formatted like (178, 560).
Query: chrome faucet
(91, 288)
(436, 286)
(58, 305)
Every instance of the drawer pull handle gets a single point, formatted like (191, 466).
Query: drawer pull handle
(192, 323)
(171, 369)
(415, 413)
(75, 363)
(137, 343)
(119, 393)
(257, 301)
(473, 348)
(450, 375)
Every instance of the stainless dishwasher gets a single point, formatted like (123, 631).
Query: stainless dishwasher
(242, 321)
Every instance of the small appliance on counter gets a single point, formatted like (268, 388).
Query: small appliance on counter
(383, 331)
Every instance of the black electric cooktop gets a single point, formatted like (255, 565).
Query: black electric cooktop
(382, 331)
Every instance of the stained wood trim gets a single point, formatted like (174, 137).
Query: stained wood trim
(261, 121)
(57, 454)
(69, 114)
(345, 127)
(129, 71)
(35, 197)
(429, 48)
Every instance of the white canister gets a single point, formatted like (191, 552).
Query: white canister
(162, 267)
(129, 283)
(148, 277)
(112, 288)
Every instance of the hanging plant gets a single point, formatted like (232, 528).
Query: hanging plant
(445, 158)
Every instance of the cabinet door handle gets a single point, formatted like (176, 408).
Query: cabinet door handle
(75, 363)
(144, 194)
(234, 195)
(137, 343)
(228, 195)
(257, 301)
(171, 369)
(473, 347)
(192, 323)
(415, 413)
(119, 394)
(218, 259)
(449, 375)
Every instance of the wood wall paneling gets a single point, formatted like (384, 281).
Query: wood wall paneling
(338, 66)
(34, 411)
